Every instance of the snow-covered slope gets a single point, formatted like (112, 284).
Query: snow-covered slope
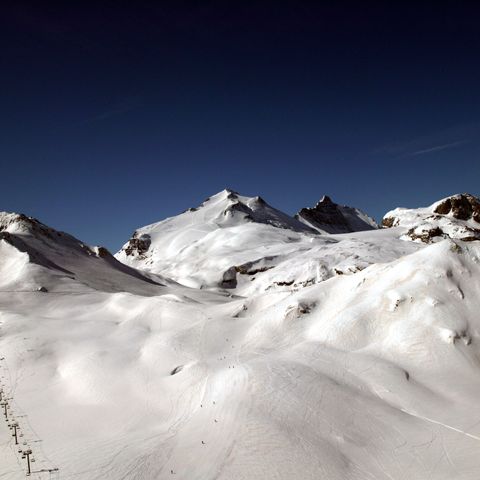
(348, 357)
(34, 255)
(233, 241)
(329, 217)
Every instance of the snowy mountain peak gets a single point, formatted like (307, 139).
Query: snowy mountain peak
(19, 222)
(329, 217)
(21, 226)
(226, 209)
(457, 217)
(229, 207)
(223, 227)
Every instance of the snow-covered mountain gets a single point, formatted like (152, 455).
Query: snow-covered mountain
(329, 217)
(281, 353)
(230, 240)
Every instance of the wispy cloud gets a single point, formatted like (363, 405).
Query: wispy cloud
(452, 137)
(439, 147)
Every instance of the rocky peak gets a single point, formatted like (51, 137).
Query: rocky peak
(329, 217)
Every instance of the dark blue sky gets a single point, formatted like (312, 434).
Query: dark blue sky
(112, 117)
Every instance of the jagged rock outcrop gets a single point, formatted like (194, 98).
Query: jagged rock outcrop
(456, 217)
(461, 207)
(138, 244)
(329, 217)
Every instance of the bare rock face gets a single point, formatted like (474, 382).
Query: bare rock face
(102, 252)
(462, 207)
(456, 217)
(389, 222)
(425, 235)
(138, 244)
(327, 216)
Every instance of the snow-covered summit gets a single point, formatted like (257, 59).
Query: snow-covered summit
(329, 217)
(224, 225)
(223, 210)
(457, 217)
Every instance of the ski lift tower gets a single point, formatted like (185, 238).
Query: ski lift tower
(14, 426)
(26, 454)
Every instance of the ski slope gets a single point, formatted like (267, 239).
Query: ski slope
(242, 345)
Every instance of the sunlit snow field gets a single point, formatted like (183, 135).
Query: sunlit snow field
(242, 348)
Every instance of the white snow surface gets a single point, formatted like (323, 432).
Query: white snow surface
(352, 356)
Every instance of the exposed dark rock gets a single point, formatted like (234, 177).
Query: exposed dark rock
(251, 272)
(138, 245)
(229, 279)
(333, 218)
(389, 222)
(444, 207)
(238, 207)
(102, 252)
(246, 269)
(426, 235)
(473, 234)
(232, 195)
(462, 207)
